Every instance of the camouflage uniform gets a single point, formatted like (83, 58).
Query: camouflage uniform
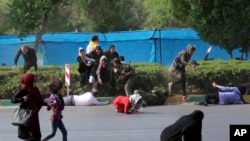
(153, 98)
(120, 81)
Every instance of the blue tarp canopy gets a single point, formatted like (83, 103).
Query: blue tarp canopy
(159, 46)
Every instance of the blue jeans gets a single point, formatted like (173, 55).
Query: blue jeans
(57, 124)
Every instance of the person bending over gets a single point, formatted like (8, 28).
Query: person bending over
(186, 128)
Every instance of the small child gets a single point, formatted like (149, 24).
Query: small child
(56, 104)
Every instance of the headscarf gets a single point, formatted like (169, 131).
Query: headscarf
(136, 101)
(188, 125)
(79, 51)
(27, 81)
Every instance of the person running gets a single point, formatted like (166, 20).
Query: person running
(56, 105)
(30, 98)
(178, 69)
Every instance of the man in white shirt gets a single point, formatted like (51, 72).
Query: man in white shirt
(86, 99)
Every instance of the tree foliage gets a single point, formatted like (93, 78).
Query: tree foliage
(105, 16)
(158, 14)
(223, 23)
(32, 16)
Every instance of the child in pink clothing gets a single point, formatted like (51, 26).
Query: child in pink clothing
(56, 105)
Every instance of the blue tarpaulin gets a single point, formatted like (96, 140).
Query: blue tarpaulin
(159, 46)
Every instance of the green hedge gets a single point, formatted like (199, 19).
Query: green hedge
(148, 76)
(222, 72)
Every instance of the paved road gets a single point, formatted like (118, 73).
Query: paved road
(102, 123)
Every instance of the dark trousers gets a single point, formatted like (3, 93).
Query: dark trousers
(181, 79)
(212, 99)
(28, 65)
(57, 124)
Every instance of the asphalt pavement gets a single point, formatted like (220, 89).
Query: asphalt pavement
(102, 123)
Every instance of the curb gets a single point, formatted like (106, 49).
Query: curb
(176, 99)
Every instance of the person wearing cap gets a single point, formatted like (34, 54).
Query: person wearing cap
(226, 95)
(86, 99)
(92, 44)
(100, 73)
(29, 56)
(128, 105)
(178, 69)
(84, 66)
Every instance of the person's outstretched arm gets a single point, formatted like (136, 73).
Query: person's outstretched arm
(224, 88)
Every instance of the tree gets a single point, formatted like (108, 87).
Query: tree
(105, 15)
(158, 14)
(33, 16)
(4, 28)
(223, 23)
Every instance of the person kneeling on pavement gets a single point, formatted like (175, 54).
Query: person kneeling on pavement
(128, 105)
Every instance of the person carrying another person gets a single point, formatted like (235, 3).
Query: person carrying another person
(178, 69)
(84, 66)
(128, 105)
(92, 44)
(29, 56)
(86, 99)
(186, 128)
(122, 75)
(226, 95)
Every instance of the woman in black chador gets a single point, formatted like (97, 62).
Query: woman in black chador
(187, 128)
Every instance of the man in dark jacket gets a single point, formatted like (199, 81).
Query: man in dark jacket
(29, 56)
(187, 128)
(111, 54)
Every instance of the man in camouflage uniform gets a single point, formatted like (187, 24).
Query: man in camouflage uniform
(153, 98)
(122, 75)
(178, 68)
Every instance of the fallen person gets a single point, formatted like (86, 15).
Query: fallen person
(128, 105)
(226, 95)
(86, 99)
(153, 98)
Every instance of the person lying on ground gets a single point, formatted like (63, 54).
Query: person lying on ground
(128, 105)
(226, 95)
(152, 98)
(86, 99)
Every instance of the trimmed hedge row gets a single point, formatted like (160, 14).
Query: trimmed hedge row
(148, 76)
